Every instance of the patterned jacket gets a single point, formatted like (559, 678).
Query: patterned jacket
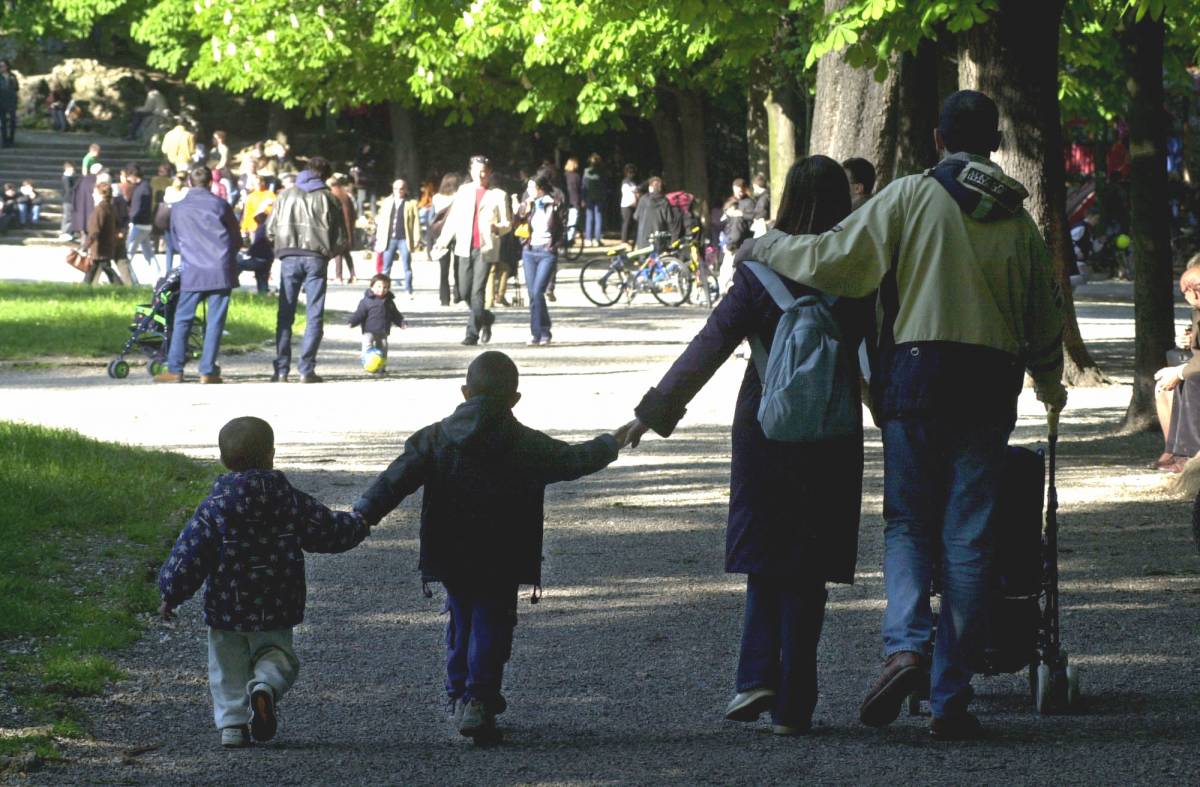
(247, 540)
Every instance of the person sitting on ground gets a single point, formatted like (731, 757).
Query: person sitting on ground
(484, 474)
(862, 180)
(653, 214)
(29, 203)
(377, 313)
(252, 519)
(1177, 388)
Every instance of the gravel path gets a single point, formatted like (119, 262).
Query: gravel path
(621, 673)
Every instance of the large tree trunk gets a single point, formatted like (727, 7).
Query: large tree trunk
(1014, 59)
(669, 135)
(1154, 318)
(678, 123)
(781, 109)
(406, 159)
(758, 140)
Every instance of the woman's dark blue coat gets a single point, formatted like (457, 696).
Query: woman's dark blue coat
(793, 507)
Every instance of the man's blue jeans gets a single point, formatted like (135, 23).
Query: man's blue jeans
(389, 255)
(940, 480)
(479, 639)
(780, 633)
(295, 274)
(185, 315)
(141, 234)
(539, 267)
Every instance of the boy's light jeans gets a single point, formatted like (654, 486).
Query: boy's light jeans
(237, 661)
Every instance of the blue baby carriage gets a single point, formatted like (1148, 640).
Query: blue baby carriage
(150, 330)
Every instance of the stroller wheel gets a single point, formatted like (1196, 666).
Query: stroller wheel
(118, 369)
(1072, 686)
(1044, 688)
(155, 368)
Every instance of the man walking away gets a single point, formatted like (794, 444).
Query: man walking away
(969, 303)
(141, 219)
(478, 217)
(9, 98)
(307, 229)
(206, 232)
(179, 145)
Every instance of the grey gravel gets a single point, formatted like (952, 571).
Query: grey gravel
(620, 675)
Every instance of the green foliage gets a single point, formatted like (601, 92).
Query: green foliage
(55, 320)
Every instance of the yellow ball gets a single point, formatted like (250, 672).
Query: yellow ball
(1123, 241)
(372, 361)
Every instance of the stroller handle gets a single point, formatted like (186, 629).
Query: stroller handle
(1052, 417)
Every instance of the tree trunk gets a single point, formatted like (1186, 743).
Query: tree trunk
(669, 135)
(1014, 59)
(758, 140)
(695, 159)
(1154, 316)
(781, 110)
(916, 111)
(406, 160)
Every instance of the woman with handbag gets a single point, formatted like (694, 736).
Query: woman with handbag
(101, 239)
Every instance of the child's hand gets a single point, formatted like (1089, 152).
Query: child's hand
(165, 613)
(630, 434)
(403, 324)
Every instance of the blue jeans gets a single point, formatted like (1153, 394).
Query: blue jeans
(172, 249)
(141, 234)
(260, 266)
(780, 632)
(593, 221)
(29, 214)
(539, 267)
(479, 639)
(185, 315)
(296, 273)
(389, 255)
(940, 481)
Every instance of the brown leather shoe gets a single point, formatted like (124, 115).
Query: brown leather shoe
(168, 377)
(1162, 461)
(1176, 465)
(959, 727)
(901, 674)
(211, 379)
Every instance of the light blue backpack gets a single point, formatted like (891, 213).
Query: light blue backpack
(810, 392)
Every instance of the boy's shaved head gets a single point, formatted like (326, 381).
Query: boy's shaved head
(492, 373)
(247, 443)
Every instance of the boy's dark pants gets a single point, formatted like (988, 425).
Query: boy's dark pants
(779, 644)
(479, 638)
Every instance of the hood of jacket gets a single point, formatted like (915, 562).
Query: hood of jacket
(310, 181)
(482, 423)
(979, 186)
(258, 490)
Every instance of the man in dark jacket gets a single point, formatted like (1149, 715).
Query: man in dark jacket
(9, 98)
(485, 477)
(207, 234)
(141, 217)
(307, 229)
(653, 213)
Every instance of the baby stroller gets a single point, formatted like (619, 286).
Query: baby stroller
(1022, 629)
(150, 330)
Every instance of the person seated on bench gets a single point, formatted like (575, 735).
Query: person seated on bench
(1177, 388)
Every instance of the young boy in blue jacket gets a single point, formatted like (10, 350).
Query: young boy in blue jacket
(377, 313)
(246, 542)
(484, 476)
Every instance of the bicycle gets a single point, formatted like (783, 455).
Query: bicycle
(625, 272)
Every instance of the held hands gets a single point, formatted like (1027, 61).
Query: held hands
(630, 434)
(1168, 378)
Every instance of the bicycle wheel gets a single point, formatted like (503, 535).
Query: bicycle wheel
(672, 281)
(573, 247)
(603, 280)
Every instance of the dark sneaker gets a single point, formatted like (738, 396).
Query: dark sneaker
(902, 672)
(469, 342)
(485, 335)
(279, 377)
(263, 721)
(235, 737)
(312, 378)
(476, 720)
(749, 705)
(959, 727)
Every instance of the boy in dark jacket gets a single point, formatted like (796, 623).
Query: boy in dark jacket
(247, 542)
(485, 477)
(377, 313)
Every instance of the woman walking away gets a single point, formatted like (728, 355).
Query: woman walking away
(101, 239)
(793, 507)
(629, 198)
(573, 181)
(594, 193)
(440, 203)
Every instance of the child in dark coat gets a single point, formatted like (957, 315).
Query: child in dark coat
(485, 476)
(246, 542)
(377, 313)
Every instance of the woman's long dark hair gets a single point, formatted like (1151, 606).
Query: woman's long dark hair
(816, 196)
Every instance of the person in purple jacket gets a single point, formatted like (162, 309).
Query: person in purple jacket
(246, 543)
(208, 237)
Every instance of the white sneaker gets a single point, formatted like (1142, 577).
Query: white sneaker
(235, 737)
(749, 705)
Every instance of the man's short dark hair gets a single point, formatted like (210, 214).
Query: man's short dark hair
(970, 123)
(320, 167)
(200, 177)
(760, 180)
(246, 443)
(861, 172)
(133, 171)
(492, 373)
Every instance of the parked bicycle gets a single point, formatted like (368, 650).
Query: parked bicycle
(626, 273)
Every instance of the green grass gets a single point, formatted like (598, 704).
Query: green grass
(39, 320)
(84, 525)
